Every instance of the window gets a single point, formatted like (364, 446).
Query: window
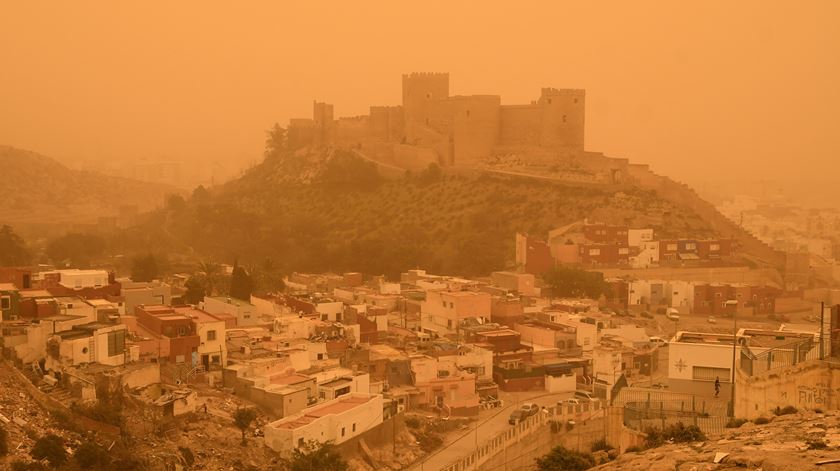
(468, 113)
(300, 442)
(354, 427)
(691, 246)
(707, 373)
(714, 247)
(442, 373)
(116, 343)
(564, 118)
(211, 335)
(5, 302)
(451, 305)
(214, 359)
(594, 251)
(449, 324)
(444, 303)
(182, 330)
(342, 431)
(672, 247)
(623, 251)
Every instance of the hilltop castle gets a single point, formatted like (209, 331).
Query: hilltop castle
(431, 126)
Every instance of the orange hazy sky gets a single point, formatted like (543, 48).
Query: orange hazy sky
(697, 89)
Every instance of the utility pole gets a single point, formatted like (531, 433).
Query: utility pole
(822, 326)
(733, 303)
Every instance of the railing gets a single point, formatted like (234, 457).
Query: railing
(650, 408)
(641, 417)
(523, 429)
(779, 357)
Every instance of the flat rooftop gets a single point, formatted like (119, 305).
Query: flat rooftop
(343, 404)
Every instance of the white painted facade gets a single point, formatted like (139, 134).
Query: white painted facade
(337, 421)
(245, 312)
(637, 237)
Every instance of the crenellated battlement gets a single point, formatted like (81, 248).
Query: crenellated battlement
(415, 75)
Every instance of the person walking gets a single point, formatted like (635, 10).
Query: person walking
(717, 386)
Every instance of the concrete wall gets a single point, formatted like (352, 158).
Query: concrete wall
(810, 385)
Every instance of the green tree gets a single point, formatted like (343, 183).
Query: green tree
(195, 289)
(242, 418)
(144, 268)
(574, 282)
(91, 455)
(241, 284)
(51, 448)
(275, 141)
(267, 277)
(346, 171)
(562, 459)
(212, 274)
(316, 455)
(77, 250)
(13, 250)
(175, 203)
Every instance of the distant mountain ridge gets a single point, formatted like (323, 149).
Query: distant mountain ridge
(38, 189)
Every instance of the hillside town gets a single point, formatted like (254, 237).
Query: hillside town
(618, 327)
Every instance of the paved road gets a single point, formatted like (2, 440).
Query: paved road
(487, 428)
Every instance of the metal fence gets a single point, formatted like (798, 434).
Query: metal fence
(652, 408)
(781, 356)
(640, 417)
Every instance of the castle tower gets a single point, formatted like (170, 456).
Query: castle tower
(562, 113)
(420, 90)
(322, 115)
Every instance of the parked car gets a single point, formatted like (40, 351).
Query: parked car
(527, 410)
(584, 396)
(658, 341)
(712, 320)
(568, 401)
(646, 315)
(673, 314)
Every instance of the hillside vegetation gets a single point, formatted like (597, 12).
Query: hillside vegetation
(332, 211)
(36, 188)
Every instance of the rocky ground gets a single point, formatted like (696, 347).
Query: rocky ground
(790, 442)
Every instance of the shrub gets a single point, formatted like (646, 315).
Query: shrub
(601, 445)
(51, 448)
(818, 410)
(677, 433)
(735, 423)
(816, 444)
(4, 442)
(785, 410)
(189, 458)
(90, 455)
(412, 422)
(633, 449)
(761, 421)
(562, 459)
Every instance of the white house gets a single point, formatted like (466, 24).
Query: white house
(442, 311)
(337, 421)
(637, 237)
(90, 343)
(696, 359)
(245, 312)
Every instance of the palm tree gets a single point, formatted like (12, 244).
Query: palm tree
(212, 273)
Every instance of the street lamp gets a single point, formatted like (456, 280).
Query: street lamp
(734, 304)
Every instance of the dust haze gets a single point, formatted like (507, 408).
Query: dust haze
(712, 93)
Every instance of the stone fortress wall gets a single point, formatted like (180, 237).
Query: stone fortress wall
(457, 130)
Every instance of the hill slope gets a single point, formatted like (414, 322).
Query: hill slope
(331, 212)
(36, 188)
